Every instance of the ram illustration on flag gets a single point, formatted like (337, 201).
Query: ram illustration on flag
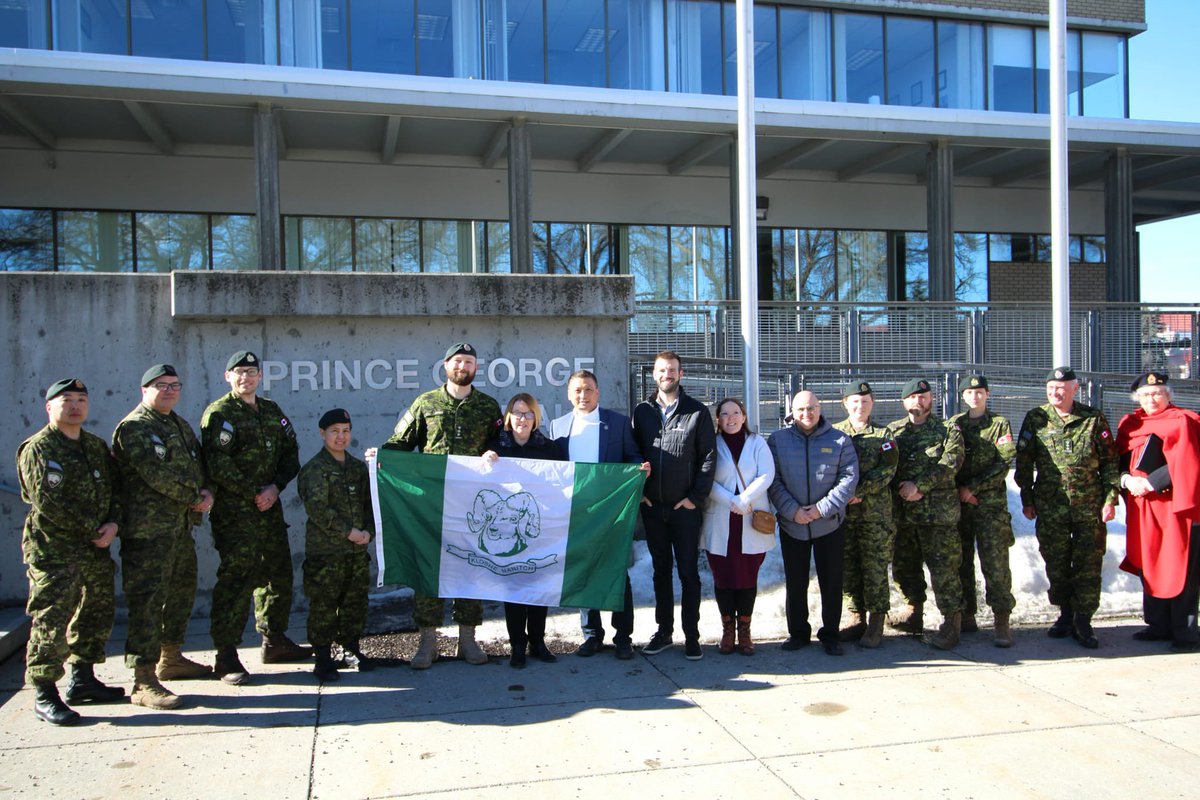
(543, 533)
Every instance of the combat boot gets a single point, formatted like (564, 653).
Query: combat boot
(173, 665)
(969, 625)
(427, 651)
(728, 630)
(277, 648)
(948, 636)
(1082, 631)
(1062, 627)
(355, 658)
(229, 667)
(149, 693)
(324, 668)
(874, 635)
(49, 707)
(468, 650)
(1003, 631)
(855, 630)
(912, 622)
(85, 687)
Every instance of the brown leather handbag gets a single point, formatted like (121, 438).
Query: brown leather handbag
(761, 521)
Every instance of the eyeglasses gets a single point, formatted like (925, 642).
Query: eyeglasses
(522, 415)
(168, 387)
(245, 372)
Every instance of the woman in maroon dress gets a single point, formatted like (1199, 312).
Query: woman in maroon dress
(745, 468)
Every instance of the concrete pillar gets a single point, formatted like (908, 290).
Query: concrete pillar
(1122, 272)
(520, 197)
(939, 203)
(266, 174)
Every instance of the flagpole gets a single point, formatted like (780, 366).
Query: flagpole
(1060, 263)
(747, 223)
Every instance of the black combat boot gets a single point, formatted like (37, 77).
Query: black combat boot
(85, 687)
(324, 668)
(48, 706)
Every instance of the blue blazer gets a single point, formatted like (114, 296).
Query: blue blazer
(617, 445)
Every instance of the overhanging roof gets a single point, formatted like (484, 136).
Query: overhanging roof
(82, 102)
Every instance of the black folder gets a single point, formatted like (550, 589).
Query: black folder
(1151, 458)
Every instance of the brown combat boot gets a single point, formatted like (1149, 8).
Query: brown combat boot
(229, 667)
(912, 622)
(745, 641)
(949, 635)
(149, 693)
(727, 632)
(874, 635)
(1003, 631)
(173, 665)
(855, 630)
(277, 648)
(427, 651)
(468, 649)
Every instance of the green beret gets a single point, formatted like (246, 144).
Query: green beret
(1145, 379)
(65, 385)
(158, 371)
(1060, 374)
(460, 347)
(972, 382)
(856, 387)
(242, 358)
(915, 386)
(333, 417)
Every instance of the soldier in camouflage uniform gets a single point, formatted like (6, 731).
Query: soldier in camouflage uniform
(165, 496)
(870, 528)
(335, 488)
(250, 454)
(1074, 492)
(454, 419)
(69, 480)
(984, 505)
(931, 453)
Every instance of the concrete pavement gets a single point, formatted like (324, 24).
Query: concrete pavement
(1045, 719)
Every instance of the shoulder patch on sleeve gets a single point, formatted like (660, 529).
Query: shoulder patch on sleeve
(1005, 439)
(887, 445)
(54, 475)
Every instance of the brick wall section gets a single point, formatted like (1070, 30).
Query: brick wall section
(1118, 10)
(1031, 283)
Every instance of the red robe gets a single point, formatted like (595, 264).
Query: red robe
(1158, 524)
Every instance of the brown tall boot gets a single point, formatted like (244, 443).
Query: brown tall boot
(745, 642)
(173, 665)
(855, 630)
(1003, 631)
(149, 693)
(948, 636)
(911, 622)
(874, 635)
(727, 633)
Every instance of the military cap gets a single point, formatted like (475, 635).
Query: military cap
(333, 417)
(455, 349)
(972, 382)
(242, 358)
(915, 386)
(1150, 378)
(1060, 374)
(158, 371)
(856, 387)
(65, 385)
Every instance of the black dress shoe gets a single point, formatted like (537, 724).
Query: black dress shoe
(542, 653)
(589, 648)
(833, 647)
(624, 651)
(795, 644)
(1152, 635)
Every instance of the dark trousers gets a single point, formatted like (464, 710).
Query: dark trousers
(673, 539)
(525, 624)
(735, 602)
(1177, 615)
(622, 621)
(827, 552)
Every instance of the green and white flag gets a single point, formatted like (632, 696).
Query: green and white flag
(544, 533)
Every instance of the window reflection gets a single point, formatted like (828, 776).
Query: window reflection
(970, 267)
(858, 76)
(90, 26)
(766, 53)
(448, 38)
(26, 239)
(168, 28)
(241, 31)
(516, 32)
(1042, 41)
(862, 266)
(960, 65)
(234, 242)
(804, 53)
(636, 44)
(381, 36)
(167, 242)
(1010, 68)
(576, 42)
(911, 80)
(695, 51)
(95, 241)
(23, 23)
(1104, 75)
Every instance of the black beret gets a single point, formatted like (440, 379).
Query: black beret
(856, 387)
(1060, 374)
(65, 385)
(1145, 379)
(158, 371)
(333, 417)
(460, 347)
(972, 382)
(915, 386)
(242, 358)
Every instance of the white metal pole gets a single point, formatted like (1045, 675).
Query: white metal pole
(747, 222)
(1060, 261)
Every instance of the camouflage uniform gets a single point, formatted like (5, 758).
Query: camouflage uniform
(245, 449)
(71, 486)
(870, 527)
(990, 450)
(437, 423)
(926, 530)
(162, 475)
(337, 498)
(1076, 474)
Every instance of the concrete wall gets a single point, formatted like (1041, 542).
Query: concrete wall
(369, 343)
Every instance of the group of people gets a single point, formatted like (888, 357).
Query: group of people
(853, 498)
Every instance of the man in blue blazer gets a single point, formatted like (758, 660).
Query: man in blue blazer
(598, 435)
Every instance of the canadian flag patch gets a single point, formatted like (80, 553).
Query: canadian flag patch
(885, 446)
(1005, 439)
(1103, 434)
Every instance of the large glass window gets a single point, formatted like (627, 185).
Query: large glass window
(1042, 41)
(910, 74)
(387, 245)
(647, 254)
(766, 53)
(815, 258)
(635, 44)
(333, 22)
(445, 246)
(167, 242)
(1104, 75)
(971, 267)
(804, 53)
(26, 239)
(319, 244)
(242, 31)
(912, 253)
(566, 250)
(862, 266)
(382, 36)
(960, 65)
(234, 242)
(168, 28)
(90, 26)
(858, 45)
(515, 38)
(95, 241)
(448, 38)
(23, 23)
(695, 52)
(1010, 68)
(600, 249)
(576, 40)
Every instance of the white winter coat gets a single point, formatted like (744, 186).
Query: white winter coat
(758, 468)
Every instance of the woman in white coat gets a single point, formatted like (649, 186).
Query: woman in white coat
(735, 549)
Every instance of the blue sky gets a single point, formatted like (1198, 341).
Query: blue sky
(1163, 63)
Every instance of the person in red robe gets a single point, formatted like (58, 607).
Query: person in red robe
(1160, 481)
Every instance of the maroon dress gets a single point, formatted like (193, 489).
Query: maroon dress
(735, 569)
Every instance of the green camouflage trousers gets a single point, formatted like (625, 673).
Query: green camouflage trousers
(336, 587)
(72, 608)
(987, 526)
(938, 547)
(869, 547)
(430, 612)
(1072, 541)
(256, 562)
(159, 581)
